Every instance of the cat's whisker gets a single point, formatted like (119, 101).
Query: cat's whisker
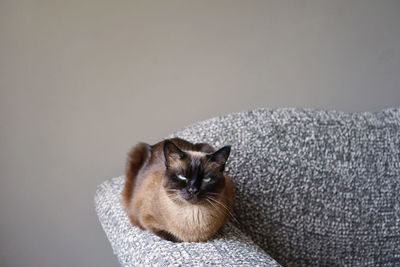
(173, 196)
(216, 194)
(220, 211)
(172, 190)
(225, 208)
(198, 216)
(216, 208)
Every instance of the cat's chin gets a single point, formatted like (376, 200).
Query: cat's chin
(194, 200)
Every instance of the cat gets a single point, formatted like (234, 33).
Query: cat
(178, 190)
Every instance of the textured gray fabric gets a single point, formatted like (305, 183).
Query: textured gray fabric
(135, 247)
(312, 187)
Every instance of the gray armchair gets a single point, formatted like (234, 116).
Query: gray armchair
(313, 187)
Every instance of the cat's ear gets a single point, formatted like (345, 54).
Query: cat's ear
(220, 156)
(172, 153)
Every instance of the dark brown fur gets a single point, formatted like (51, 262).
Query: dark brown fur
(150, 204)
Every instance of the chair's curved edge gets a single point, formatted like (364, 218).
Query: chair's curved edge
(389, 115)
(99, 196)
(133, 246)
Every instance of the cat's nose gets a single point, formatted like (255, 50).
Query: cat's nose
(193, 190)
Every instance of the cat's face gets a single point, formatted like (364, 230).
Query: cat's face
(194, 176)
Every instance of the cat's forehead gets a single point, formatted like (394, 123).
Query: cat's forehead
(196, 154)
(196, 162)
(196, 159)
(199, 158)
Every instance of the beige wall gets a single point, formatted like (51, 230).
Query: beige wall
(81, 81)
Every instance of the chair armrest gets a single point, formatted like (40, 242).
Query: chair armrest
(135, 247)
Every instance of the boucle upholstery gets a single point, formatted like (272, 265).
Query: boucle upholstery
(313, 187)
(135, 247)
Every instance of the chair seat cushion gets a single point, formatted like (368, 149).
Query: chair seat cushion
(314, 187)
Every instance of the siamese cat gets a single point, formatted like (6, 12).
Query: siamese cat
(178, 190)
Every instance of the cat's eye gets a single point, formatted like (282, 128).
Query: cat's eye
(206, 179)
(182, 178)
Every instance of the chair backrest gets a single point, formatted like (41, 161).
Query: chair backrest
(314, 187)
